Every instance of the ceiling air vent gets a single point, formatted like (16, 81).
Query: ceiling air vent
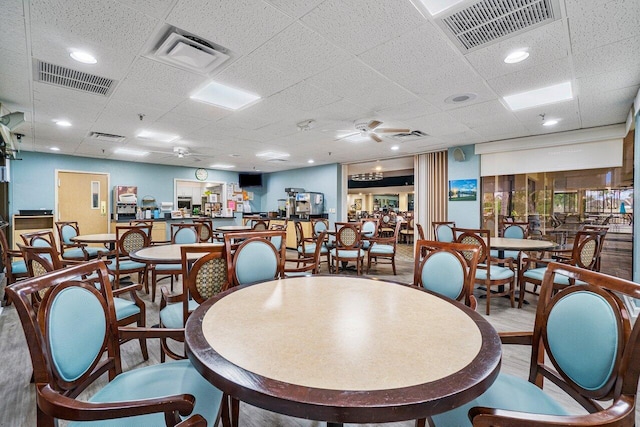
(73, 79)
(189, 52)
(106, 137)
(487, 21)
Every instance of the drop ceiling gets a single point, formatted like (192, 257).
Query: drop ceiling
(330, 61)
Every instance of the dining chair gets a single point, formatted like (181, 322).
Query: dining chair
(39, 238)
(181, 233)
(204, 275)
(448, 269)
(603, 228)
(386, 224)
(306, 266)
(347, 247)
(41, 260)
(306, 246)
(583, 341)
(14, 267)
(67, 358)
(420, 231)
(384, 248)
(260, 224)
(129, 238)
(319, 225)
(407, 231)
(491, 272)
(368, 231)
(74, 250)
(587, 246)
(256, 258)
(145, 223)
(206, 229)
(443, 230)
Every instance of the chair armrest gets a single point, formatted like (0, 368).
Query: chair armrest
(59, 406)
(508, 261)
(160, 242)
(195, 421)
(14, 253)
(612, 416)
(524, 338)
(70, 262)
(381, 240)
(168, 297)
(129, 288)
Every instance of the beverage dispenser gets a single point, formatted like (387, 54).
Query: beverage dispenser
(308, 204)
(290, 203)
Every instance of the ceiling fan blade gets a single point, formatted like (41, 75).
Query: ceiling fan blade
(346, 136)
(373, 124)
(393, 130)
(375, 137)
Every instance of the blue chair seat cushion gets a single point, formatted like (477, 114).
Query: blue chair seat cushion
(356, 253)
(496, 272)
(18, 267)
(125, 308)
(506, 254)
(171, 315)
(126, 265)
(298, 274)
(168, 267)
(507, 392)
(381, 249)
(538, 274)
(73, 253)
(164, 379)
(310, 248)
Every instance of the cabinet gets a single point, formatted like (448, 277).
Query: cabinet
(158, 231)
(21, 224)
(291, 231)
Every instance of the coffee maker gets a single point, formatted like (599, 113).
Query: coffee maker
(290, 205)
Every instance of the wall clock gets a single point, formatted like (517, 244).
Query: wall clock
(201, 174)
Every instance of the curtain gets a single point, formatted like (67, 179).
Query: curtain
(431, 190)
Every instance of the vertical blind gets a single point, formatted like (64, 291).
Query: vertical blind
(431, 188)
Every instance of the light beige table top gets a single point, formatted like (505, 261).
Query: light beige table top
(95, 238)
(164, 254)
(520, 244)
(227, 228)
(335, 336)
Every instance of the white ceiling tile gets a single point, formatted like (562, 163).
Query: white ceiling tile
(437, 125)
(295, 8)
(155, 8)
(617, 79)
(543, 75)
(358, 83)
(358, 26)
(300, 52)
(153, 74)
(14, 90)
(491, 112)
(612, 57)
(13, 34)
(305, 97)
(564, 111)
(544, 44)
(134, 92)
(409, 110)
(602, 108)
(240, 25)
(615, 20)
(106, 22)
(13, 63)
(201, 110)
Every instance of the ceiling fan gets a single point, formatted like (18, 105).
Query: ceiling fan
(371, 128)
(182, 153)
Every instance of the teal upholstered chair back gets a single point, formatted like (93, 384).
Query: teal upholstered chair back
(320, 225)
(586, 332)
(369, 227)
(43, 238)
(515, 230)
(256, 258)
(443, 268)
(443, 230)
(68, 231)
(74, 328)
(185, 233)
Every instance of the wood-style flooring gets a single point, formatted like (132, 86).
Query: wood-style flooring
(17, 405)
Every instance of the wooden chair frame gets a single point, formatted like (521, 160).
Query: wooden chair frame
(347, 240)
(391, 241)
(125, 234)
(309, 264)
(60, 225)
(247, 238)
(56, 398)
(8, 257)
(437, 224)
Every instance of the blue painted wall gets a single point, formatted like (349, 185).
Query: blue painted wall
(465, 214)
(320, 179)
(33, 178)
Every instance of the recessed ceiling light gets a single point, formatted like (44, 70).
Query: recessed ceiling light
(224, 96)
(378, 168)
(63, 123)
(234, 155)
(517, 56)
(310, 161)
(128, 152)
(222, 166)
(395, 147)
(542, 96)
(461, 97)
(550, 122)
(54, 148)
(157, 136)
(84, 57)
(435, 7)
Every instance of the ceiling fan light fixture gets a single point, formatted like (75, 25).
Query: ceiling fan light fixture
(367, 176)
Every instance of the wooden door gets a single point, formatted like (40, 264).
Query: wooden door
(84, 197)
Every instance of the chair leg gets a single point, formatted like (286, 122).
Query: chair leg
(143, 342)
(235, 411)
(488, 311)
(393, 264)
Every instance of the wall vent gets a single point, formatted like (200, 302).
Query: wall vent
(73, 79)
(189, 52)
(487, 21)
(107, 137)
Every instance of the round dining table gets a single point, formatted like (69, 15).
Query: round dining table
(164, 254)
(506, 243)
(232, 228)
(104, 238)
(343, 349)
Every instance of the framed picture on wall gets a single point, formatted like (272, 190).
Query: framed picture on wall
(463, 190)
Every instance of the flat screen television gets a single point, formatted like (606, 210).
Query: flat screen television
(250, 180)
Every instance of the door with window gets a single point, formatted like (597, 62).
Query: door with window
(84, 197)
